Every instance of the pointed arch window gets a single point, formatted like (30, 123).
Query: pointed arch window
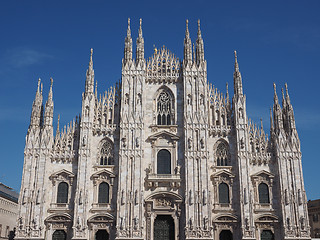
(263, 193)
(62, 196)
(164, 109)
(224, 193)
(106, 154)
(222, 153)
(103, 196)
(164, 162)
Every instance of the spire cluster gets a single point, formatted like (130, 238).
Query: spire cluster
(128, 45)
(198, 52)
(283, 117)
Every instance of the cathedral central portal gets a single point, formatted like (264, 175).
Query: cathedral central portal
(163, 228)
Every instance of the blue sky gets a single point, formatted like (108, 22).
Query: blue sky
(276, 41)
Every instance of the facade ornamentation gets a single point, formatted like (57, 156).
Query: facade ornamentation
(162, 153)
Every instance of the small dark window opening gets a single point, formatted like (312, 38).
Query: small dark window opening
(164, 162)
(263, 193)
(103, 196)
(62, 196)
(224, 193)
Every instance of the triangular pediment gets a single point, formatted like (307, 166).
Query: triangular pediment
(103, 172)
(63, 172)
(164, 134)
(223, 172)
(262, 173)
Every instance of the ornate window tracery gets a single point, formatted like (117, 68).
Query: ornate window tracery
(222, 154)
(164, 109)
(106, 153)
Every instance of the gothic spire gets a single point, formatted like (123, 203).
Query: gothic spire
(48, 116)
(199, 46)
(277, 111)
(238, 91)
(90, 77)
(140, 45)
(37, 107)
(287, 94)
(271, 123)
(289, 111)
(128, 45)
(187, 45)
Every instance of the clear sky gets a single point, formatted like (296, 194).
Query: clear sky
(276, 41)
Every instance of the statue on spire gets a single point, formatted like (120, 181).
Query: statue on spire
(140, 45)
(128, 45)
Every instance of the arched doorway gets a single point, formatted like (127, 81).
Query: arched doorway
(102, 235)
(59, 235)
(163, 228)
(267, 235)
(225, 235)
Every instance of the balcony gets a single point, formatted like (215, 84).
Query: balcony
(171, 181)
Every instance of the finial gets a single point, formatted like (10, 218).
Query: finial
(187, 23)
(286, 86)
(51, 82)
(282, 93)
(199, 31)
(236, 65)
(261, 124)
(128, 30)
(41, 87)
(39, 80)
(227, 86)
(155, 49)
(140, 22)
(274, 88)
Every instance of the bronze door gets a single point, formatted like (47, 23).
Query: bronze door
(267, 235)
(163, 228)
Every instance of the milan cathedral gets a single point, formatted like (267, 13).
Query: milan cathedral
(162, 155)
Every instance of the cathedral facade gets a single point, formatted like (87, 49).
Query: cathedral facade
(163, 155)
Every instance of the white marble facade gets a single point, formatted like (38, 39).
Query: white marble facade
(162, 155)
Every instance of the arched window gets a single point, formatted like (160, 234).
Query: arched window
(164, 162)
(263, 193)
(164, 109)
(106, 154)
(223, 193)
(62, 196)
(103, 196)
(222, 153)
